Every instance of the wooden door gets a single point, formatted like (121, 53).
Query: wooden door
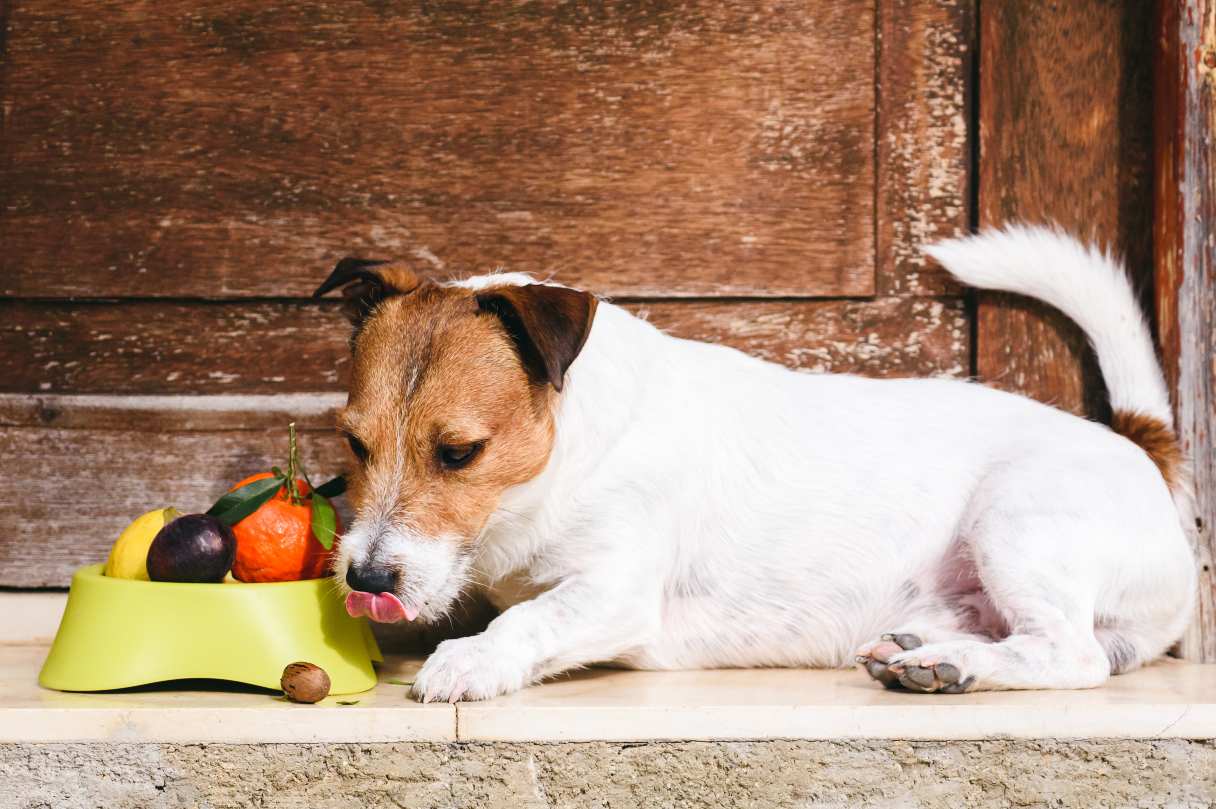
(178, 178)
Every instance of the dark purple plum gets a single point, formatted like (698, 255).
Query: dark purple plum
(193, 548)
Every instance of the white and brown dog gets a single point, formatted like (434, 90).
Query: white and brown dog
(631, 498)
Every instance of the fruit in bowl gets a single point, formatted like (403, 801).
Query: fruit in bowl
(272, 526)
(193, 548)
(128, 558)
(278, 541)
(118, 633)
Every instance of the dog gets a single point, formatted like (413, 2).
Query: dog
(629, 498)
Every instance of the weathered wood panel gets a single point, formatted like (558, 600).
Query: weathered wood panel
(1065, 136)
(1185, 259)
(926, 52)
(249, 412)
(67, 494)
(701, 148)
(151, 347)
(885, 337)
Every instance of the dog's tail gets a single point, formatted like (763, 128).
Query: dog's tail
(1092, 288)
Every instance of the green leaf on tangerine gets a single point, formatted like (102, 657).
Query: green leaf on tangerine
(324, 524)
(238, 504)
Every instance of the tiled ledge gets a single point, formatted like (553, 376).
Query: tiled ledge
(1167, 700)
(29, 713)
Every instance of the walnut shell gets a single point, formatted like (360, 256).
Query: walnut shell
(304, 682)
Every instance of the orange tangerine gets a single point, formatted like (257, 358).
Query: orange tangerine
(276, 543)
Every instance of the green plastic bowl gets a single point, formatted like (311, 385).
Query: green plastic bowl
(118, 633)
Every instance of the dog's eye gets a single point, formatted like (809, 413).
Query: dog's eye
(458, 456)
(356, 446)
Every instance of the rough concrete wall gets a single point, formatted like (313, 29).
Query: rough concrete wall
(903, 775)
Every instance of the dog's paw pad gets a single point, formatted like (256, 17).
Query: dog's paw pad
(940, 678)
(878, 670)
(904, 640)
(924, 676)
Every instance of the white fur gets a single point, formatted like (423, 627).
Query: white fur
(703, 508)
(1087, 285)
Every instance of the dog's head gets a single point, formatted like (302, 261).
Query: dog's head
(451, 402)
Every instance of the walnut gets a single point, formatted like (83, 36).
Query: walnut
(304, 682)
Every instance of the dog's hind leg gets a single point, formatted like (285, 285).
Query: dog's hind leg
(1034, 573)
(1053, 655)
(1066, 584)
(1082, 560)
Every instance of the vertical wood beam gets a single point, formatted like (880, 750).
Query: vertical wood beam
(926, 53)
(1185, 266)
(1064, 137)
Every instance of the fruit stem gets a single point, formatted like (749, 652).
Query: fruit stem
(293, 463)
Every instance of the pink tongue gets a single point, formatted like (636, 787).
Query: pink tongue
(385, 608)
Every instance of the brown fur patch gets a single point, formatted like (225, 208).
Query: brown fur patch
(1155, 438)
(549, 325)
(432, 369)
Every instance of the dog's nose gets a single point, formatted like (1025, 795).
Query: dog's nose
(371, 579)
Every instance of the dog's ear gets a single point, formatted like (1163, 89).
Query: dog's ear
(365, 283)
(548, 325)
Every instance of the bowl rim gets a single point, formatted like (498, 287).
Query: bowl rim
(96, 571)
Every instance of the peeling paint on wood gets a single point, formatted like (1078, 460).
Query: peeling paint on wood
(149, 347)
(178, 150)
(926, 49)
(886, 337)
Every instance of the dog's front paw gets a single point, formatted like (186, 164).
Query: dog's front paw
(468, 669)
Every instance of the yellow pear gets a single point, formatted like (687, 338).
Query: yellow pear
(129, 556)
